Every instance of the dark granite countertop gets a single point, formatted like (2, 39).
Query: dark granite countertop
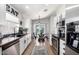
(10, 37)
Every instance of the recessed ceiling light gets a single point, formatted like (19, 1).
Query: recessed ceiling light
(72, 7)
(27, 7)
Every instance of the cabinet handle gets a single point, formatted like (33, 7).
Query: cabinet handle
(24, 41)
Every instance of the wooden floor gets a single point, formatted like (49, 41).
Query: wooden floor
(29, 50)
(50, 52)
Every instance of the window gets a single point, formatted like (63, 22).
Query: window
(39, 28)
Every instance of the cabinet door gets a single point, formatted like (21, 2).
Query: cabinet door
(2, 14)
(21, 45)
(62, 46)
(11, 18)
(0, 50)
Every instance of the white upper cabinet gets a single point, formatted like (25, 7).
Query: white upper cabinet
(12, 18)
(5, 15)
(2, 14)
(11, 14)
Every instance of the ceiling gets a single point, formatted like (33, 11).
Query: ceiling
(69, 5)
(44, 10)
(34, 10)
(74, 12)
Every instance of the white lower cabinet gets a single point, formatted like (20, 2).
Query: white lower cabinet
(24, 42)
(21, 45)
(62, 46)
(0, 50)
